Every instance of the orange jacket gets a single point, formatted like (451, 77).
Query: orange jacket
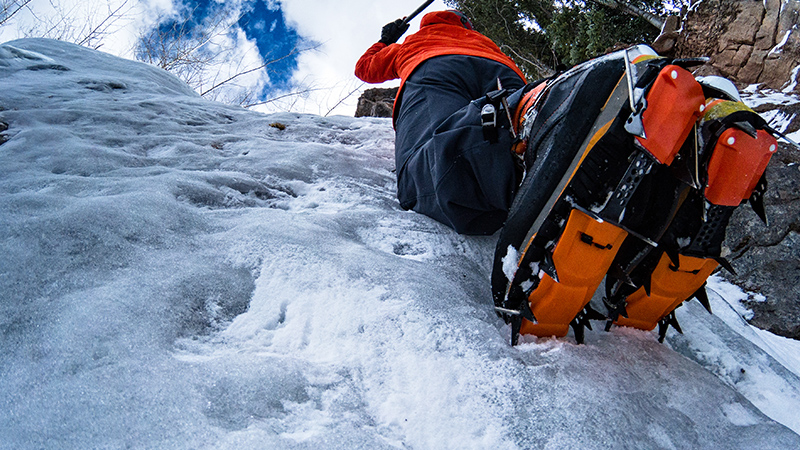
(440, 33)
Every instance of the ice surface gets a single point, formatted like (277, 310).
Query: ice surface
(180, 274)
(792, 83)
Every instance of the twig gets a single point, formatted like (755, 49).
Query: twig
(290, 94)
(294, 51)
(5, 16)
(341, 100)
(96, 30)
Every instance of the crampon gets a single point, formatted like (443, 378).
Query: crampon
(633, 169)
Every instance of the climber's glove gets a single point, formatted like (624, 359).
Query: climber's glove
(392, 31)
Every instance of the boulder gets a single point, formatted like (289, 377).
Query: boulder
(376, 102)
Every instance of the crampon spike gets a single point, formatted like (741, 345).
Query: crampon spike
(702, 296)
(616, 272)
(515, 318)
(516, 324)
(526, 313)
(674, 255)
(582, 320)
(647, 284)
(725, 264)
(662, 331)
(593, 314)
(577, 327)
(684, 170)
(614, 311)
(665, 323)
(757, 199)
(548, 266)
(747, 128)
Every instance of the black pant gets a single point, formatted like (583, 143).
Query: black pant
(445, 167)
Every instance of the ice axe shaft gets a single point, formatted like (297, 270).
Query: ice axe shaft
(504, 101)
(416, 12)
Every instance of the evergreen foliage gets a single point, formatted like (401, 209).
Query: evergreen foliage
(542, 35)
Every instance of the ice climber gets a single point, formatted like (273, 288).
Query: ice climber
(633, 169)
(451, 166)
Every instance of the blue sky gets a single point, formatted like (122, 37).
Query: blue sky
(275, 39)
(263, 22)
(339, 31)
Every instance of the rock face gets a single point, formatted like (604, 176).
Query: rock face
(758, 42)
(376, 102)
(748, 41)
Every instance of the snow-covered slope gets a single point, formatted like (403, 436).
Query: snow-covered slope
(177, 273)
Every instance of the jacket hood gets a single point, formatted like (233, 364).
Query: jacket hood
(444, 18)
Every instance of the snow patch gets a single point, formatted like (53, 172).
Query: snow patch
(510, 263)
(738, 415)
(792, 83)
(764, 368)
(778, 119)
(10, 54)
(779, 46)
(529, 24)
(735, 297)
(754, 97)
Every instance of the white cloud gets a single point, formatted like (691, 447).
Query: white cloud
(238, 54)
(344, 29)
(68, 19)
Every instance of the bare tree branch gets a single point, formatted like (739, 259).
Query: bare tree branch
(9, 8)
(99, 31)
(543, 69)
(295, 51)
(208, 56)
(70, 23)
(341, 100)
(633, 10)
(280, 97)
(180, 48)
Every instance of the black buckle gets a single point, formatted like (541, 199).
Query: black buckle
(489, 122)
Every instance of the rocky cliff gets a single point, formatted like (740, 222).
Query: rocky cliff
(767, 258)
(376, 102)
(750, 42)
(757, 43)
